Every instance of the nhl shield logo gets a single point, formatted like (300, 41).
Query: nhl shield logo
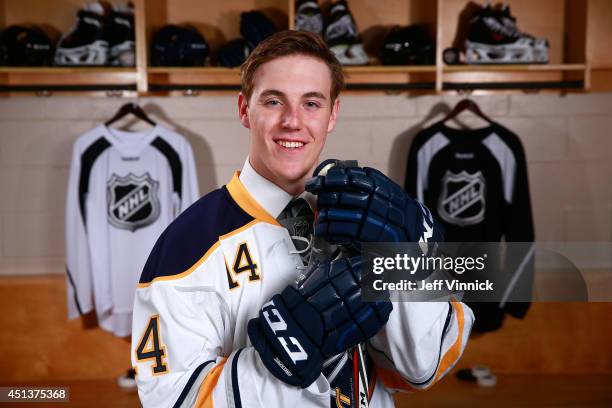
(132, 201)
(462, 201)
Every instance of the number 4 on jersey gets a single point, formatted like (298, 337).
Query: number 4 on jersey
(150, 347)
(243, 262)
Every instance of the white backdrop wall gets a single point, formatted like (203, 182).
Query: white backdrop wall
(567, 139)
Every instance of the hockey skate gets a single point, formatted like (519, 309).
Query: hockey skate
(342, 36)
(540, 45)
(308, 16)
(84, 44)
(495, 39)
(119, 33)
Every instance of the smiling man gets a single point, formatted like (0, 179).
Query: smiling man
(218, 317)
(290, 104)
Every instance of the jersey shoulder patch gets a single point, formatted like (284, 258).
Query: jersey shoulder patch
(193, 233)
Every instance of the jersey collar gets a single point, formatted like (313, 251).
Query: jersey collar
(258, 196)
(130, 143)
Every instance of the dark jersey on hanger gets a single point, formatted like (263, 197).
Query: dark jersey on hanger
(475, 183)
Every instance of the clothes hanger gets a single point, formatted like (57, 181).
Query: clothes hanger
(135, 110)
(466, 104)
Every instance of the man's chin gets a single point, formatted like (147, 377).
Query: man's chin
(292, 175)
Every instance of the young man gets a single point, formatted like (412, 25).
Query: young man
(217, 318)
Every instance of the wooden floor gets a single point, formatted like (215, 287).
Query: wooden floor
(518, 391)
(511, 391)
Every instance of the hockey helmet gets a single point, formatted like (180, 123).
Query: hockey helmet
(410, 45)
(175, 45)
(234, 53)
(3, 52)
(25, 46)
(255, 27)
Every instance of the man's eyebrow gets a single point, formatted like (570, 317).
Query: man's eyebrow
(271, 92)
(318, 95)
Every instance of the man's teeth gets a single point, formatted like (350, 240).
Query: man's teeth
(290, 145)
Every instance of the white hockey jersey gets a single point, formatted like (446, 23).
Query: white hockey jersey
(124, 189)
(209, 274)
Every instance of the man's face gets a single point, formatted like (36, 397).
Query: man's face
(289, 116)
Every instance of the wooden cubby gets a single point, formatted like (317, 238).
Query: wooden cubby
(55, 18)
(562, 22)
(578, 32)
(374, 21)
(219, 22)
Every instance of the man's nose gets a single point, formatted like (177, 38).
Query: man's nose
(291, 117)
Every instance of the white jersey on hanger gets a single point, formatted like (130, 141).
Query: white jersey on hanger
(124, 189)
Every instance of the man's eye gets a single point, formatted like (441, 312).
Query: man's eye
(273, 102)
(311, 104)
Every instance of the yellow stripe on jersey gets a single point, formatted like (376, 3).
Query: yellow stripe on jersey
(246, 201)
(203, 258)
(454, 352)
(205, 399)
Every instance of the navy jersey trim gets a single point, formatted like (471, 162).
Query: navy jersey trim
(193, 233)
(190, 382)
(235, 382)
(74, 289)
(88, 158)
(174, 161)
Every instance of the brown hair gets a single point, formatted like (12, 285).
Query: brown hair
(290, 42)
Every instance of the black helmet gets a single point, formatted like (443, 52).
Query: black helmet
(234, 53)
(175, 45)
(25, 46)
(409, 45)
(255, 27)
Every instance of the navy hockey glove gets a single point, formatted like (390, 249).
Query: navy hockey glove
(300, 327)
(358, 204)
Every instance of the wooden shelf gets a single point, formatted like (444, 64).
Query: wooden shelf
(364, 69)
(202, 78)
(514, 68)
(578, 31)
(73, 79)
(66, 70)
(193, 70)
(389, 69)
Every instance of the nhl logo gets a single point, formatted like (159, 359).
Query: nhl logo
(132, 201)
(301, 227)
(462, 201)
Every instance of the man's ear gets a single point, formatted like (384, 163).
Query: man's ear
(334, 115)
(243, 111)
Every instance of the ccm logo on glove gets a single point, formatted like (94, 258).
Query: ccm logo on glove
(277, 324)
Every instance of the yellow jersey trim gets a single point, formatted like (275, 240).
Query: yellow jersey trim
(203, 258)
(394, 380)
(246, 201)
(205, 394)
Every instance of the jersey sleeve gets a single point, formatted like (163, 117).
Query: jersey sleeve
(191, 190)
(182, 348)
(421, 342)
(78, 262)
(519, 234)
(410, 181)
